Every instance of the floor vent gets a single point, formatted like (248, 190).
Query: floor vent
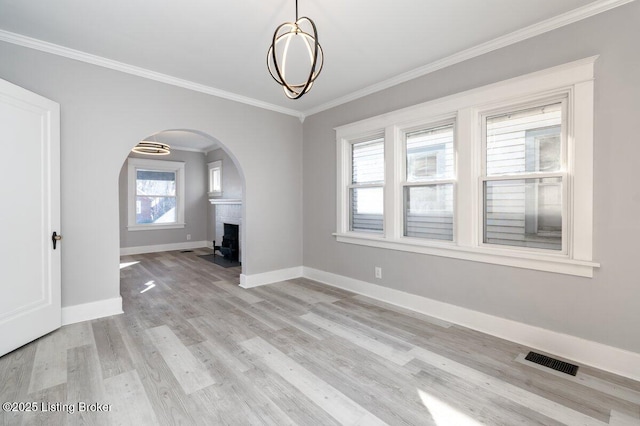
(552, 363)
(186, 251)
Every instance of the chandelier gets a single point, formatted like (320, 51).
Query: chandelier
(151, 148)
(301, 32)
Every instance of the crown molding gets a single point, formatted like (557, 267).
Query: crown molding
(190, 149)
(204, 151)
(78, 55)
(567, 18)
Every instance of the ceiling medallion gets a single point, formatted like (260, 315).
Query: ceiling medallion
(302, 31)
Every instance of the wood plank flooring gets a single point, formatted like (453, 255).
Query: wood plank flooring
(193, 348)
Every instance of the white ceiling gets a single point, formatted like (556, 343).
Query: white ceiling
(222, 46)
(185, 140)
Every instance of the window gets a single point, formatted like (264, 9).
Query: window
(429, 180)
(156, 191)
(215, 179)
(156, 194)
(500, 174)
(524, 177)
(366, 188)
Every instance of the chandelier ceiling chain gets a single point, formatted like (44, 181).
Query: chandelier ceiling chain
(304, 31)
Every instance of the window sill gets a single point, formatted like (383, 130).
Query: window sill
(225, 201)
(518, 259)
(155, 227)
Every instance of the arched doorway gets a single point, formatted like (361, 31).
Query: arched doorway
(167, 202)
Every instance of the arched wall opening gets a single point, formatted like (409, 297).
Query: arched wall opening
(104, 114)
(196, 223)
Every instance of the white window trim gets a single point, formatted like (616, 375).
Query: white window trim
(563, 173)
(178, 167)
(573, 80)
(401, 177)
(214, 165)
(351, 185)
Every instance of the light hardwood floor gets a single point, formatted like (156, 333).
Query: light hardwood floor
(194, 348)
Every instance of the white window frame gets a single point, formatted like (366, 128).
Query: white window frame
(178, 167)
(573, 82)
(351, 186)
(404, 183)
(215, 167)
(563, 99)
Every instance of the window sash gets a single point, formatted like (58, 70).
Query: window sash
(516, 108)
(519, 210)
(215, 178)
(136, 204)
(448, 156)
(439, 179)
(152, 210)
(154, 194)
(571, 84)
(369, 154)
(432, 224)
(367, 221)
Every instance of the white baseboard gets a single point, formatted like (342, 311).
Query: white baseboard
(93, 310)
(255, 280)
(582, 351)
(188, 245)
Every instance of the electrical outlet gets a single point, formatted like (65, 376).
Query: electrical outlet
(378, 272)
(188, 237)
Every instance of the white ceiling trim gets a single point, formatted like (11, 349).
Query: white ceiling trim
(204, 151)
(567, 18)
(495, 44)
(78, 55)
(189, 149)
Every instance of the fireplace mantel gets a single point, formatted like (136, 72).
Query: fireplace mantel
(225, 201)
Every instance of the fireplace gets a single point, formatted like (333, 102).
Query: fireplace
(230, 247)
(227, 214)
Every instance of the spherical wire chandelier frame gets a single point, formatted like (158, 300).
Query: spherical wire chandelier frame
(285, 34)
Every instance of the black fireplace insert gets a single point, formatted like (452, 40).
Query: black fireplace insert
(230, 247)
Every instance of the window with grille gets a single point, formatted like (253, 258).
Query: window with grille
(500, 174)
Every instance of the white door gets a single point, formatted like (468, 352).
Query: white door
(29, 214)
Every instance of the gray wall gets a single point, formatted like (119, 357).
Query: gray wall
(604, 309)
(195, 208)
(104, 113)
(231, 186)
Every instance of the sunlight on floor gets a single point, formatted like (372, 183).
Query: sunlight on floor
(444, 414)
(127, 264)
(150, 285)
